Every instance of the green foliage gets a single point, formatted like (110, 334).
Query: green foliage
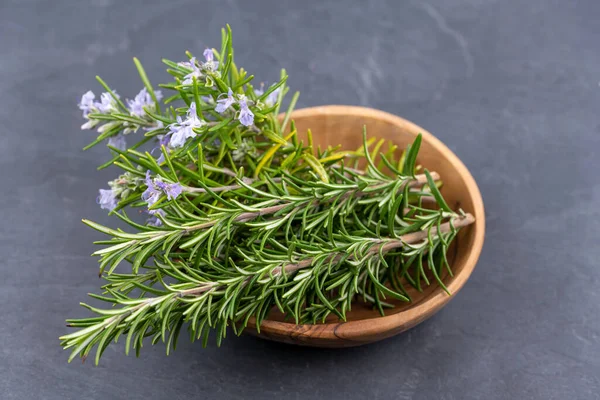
(264, 220)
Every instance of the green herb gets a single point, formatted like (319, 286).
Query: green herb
(246, 216)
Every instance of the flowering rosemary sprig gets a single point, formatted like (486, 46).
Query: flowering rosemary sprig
(244, 216)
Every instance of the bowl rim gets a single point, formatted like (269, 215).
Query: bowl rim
(370, 327)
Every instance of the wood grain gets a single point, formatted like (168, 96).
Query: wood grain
(333, 125)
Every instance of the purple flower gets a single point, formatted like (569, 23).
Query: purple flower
(191, 112)
(224, 104)
(272, 97)
(179, 133)
(118, 142)
(210, 64)
(189, 78)
(188, 64)
(156, 187)
(107, 199)
(172, 190)
(152, 193)
(192, 117)
(107, 103)
(141, 100)
(154, 220)
(163, 140)
(182, 130)
(208, 54)
(246, 116)
(87, 103)
(261, 91)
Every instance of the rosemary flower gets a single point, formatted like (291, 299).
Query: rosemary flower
(156, 187)
(118, 142)
(154, 220)
(246, 116)
(141, 100)
(107, 103)
(152, 192)
(210, 64)
(87, 104)
(172, 190)
(179, 132)
(184, 129)
(223, 103)
(271, 98)
(196, 72)
(107, 199)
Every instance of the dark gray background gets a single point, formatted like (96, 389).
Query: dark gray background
(510, 86)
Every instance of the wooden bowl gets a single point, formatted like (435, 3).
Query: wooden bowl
(333, 125)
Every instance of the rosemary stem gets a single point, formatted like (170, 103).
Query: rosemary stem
(250, 215)
(224, 188)
(386, 244)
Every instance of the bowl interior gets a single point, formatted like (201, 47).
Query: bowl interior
(333, 125)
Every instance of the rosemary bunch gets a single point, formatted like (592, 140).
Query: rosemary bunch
(244, 216)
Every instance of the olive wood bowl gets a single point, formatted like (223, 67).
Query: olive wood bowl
(333, 125)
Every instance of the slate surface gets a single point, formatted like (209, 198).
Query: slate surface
(510, 86)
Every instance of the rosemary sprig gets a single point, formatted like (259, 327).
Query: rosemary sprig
(349, 263)
(246, 217)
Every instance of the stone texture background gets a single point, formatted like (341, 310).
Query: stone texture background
(510, 86)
